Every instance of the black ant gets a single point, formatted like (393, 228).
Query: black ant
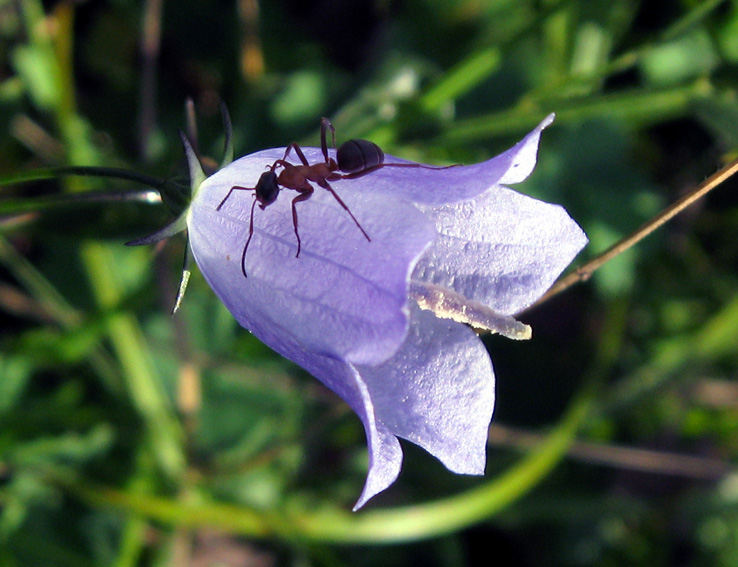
(354, 158)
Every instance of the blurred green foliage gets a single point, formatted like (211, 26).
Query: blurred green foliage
(131, 437)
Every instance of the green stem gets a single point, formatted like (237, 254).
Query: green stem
(38, 204)
(461, 79)
(338, 526)
(640, 107)
(135, 357)
(57, 307)
(80, 170)
(592, 79)
(136, 360)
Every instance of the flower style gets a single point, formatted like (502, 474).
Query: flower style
(384, 322)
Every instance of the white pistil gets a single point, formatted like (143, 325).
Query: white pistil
(448, 304)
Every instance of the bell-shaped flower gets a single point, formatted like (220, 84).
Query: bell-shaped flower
(378, 307)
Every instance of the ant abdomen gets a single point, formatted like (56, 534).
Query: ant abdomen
(359, 155)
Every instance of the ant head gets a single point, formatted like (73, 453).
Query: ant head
(267, 188)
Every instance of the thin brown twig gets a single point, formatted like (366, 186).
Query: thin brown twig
(252, 58)
(621, 457)
(150, 45)
(585, 272)
(191, 124)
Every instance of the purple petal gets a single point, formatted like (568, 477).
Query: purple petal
(385, 453)
(344, 296)
(502, 248)
(440, 186)
(437, 391)
(422, 185)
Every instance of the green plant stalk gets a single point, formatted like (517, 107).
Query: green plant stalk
(636, 107)
(133, 532)
(461, 79)
(89, 171)
(39, 287)
(165, 440)
(56, 201)
(454, 513)
(60, 311)
(136, 362)
(557, 29)
(714, 339)
(627, 60)
(342, 527)
(480, 65)
(125, 335)
(695, 16)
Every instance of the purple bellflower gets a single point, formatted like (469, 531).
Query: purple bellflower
(386, 323)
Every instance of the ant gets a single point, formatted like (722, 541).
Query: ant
(354, 158)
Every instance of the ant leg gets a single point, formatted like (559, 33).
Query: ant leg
(298, 150)
(286, 153)
(421, 165)
(325, 124)
(232, 189)
(363, 172)
(248, 240)
(373, 168)
(304, 194)
(283, 163)
(325, 185)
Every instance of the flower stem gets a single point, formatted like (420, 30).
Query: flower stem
(82, 170)
(36, 204)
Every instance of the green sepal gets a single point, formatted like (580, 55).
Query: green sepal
(229, 151)
(186, 273)
(197, 174)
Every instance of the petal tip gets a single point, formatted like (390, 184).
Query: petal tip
(546, 122)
